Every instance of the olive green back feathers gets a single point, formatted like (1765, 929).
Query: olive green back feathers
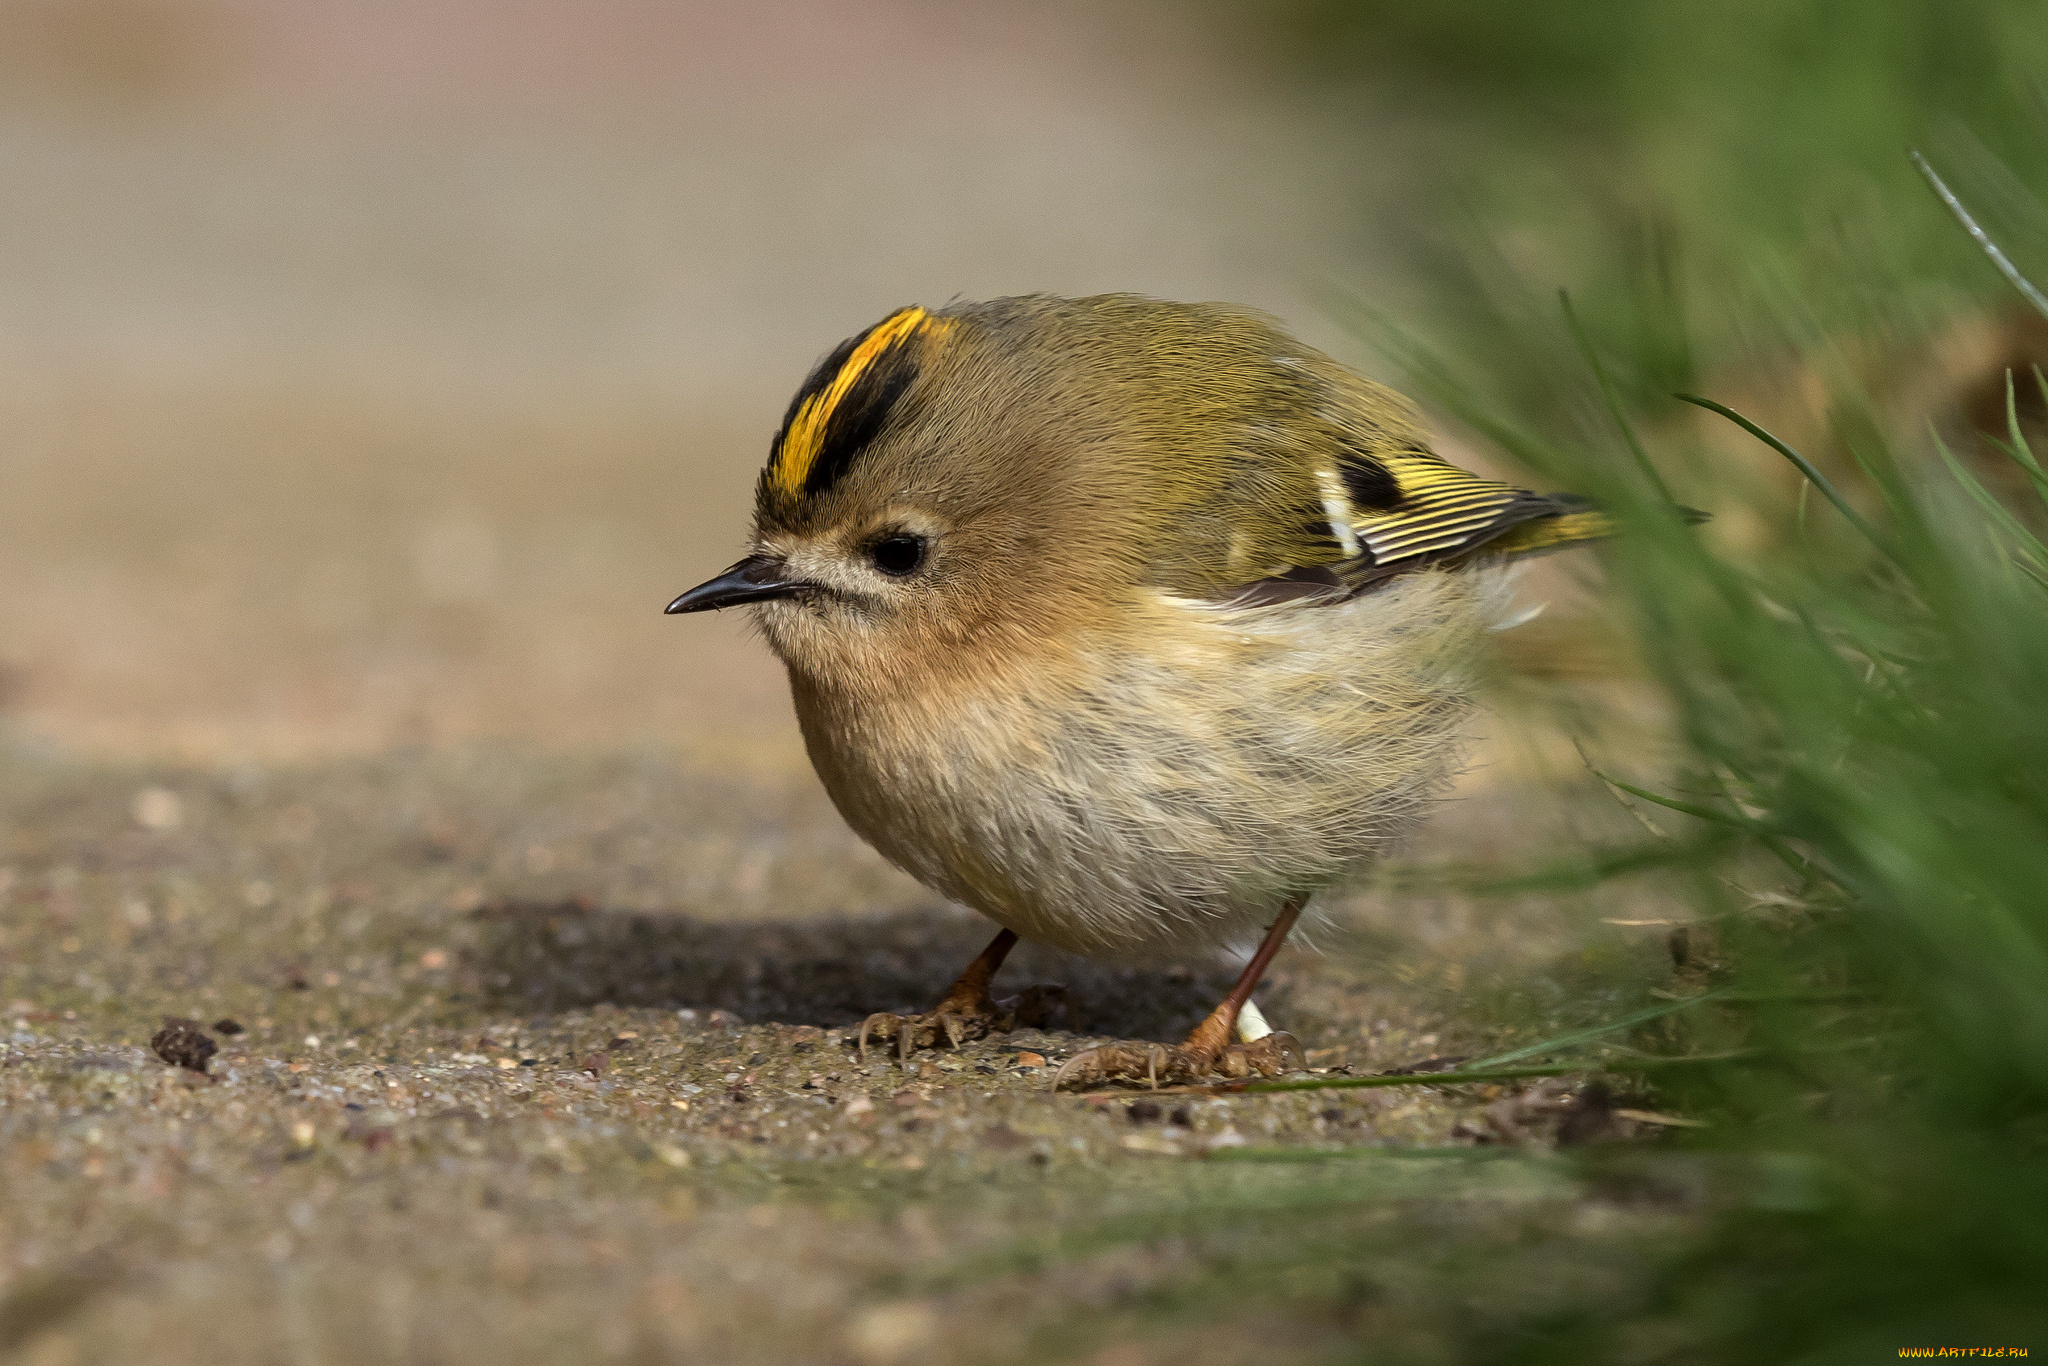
(1082, 444)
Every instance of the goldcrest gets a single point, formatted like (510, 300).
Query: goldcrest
(1132, 625)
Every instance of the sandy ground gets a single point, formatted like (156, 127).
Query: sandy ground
(528, 1058)
(373, 375)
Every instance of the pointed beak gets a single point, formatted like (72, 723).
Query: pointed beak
(754, 579)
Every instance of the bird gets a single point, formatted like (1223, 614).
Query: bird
(1136, 626)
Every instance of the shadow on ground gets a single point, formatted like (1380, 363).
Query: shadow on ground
(544, 957)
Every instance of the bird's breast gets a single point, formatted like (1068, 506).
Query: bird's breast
(1168, 783)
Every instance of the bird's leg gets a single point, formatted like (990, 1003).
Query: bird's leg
(968, 1011)
(1207, 1050)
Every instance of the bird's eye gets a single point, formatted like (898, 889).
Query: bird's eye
(897, 554)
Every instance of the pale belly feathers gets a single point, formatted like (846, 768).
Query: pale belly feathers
(1232, 760)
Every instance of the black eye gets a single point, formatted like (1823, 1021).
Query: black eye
(898, 553)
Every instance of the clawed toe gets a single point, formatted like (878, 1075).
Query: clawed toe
(886, 1027)
(1158, 1065)
(1033, 1007)
(1274, 1055)
(1155, 1064)
(912, 1032)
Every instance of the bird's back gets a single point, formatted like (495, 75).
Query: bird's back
(1224, 454)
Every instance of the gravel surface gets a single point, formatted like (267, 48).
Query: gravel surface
(512, 1058)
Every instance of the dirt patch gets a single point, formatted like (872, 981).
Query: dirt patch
(607, 1105)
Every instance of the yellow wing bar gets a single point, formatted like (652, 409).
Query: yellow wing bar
(1441, 510)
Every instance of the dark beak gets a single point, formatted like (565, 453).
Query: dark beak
(754, 579)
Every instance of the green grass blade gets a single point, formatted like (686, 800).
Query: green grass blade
(1982, 238)
(1731, 819)
(1805, 466)
(2017, 445)
(1368, 1153)
(1474, 1075)
(1580, 1036)
(2019, 541)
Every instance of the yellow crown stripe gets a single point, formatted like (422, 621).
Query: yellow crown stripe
(807, 429)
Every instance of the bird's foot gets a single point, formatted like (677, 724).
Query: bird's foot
(1158, 1064)
(960, 1019)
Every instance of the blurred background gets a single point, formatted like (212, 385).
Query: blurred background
(373, 373)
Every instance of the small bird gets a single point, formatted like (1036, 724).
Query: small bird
(1133, 625)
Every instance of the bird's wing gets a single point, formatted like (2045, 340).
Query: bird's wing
(1324, 482)
(1408, 507)
(1391, 509)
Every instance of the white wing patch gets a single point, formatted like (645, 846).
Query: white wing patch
(1337, 507)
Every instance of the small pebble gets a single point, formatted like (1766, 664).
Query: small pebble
(183, 1043)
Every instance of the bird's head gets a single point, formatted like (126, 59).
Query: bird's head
(952, 489)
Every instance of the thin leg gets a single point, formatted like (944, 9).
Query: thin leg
(1212, 1035)
(968, 1011)
(1208, 1048)
(971, 989)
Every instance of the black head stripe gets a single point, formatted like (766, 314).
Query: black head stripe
(859, 417)
(821, 377)
(845, 403)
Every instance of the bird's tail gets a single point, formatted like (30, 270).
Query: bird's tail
(1580, 520)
